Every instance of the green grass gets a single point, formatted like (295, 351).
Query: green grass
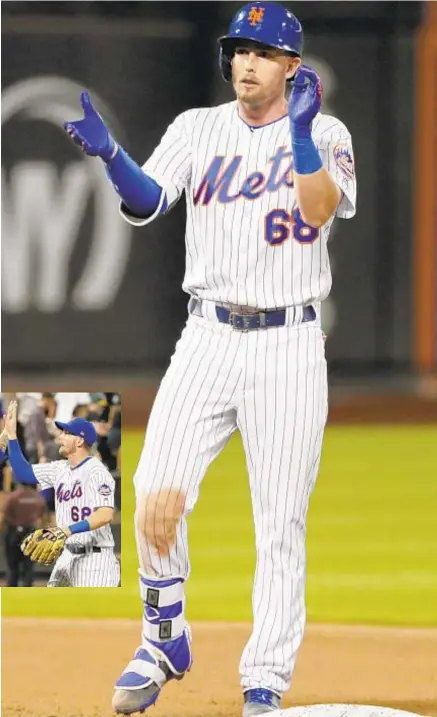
(372, 538)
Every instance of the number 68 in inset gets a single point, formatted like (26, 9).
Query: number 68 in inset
(80, 513)
(279, 223)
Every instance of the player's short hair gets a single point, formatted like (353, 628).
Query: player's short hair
(231, 44)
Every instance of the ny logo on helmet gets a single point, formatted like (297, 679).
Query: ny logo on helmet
(255, 15)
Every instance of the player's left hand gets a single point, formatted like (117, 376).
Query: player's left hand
(44, 545)
(305, 97)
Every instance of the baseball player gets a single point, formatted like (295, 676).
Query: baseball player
(264, 177)
(82, 546)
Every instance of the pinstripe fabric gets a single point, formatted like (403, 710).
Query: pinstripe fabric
(85, 487)
(60, 576)
(191, 421)
(229, 259)
(93, 570)
(281, 420)
(96, 570)
(78, 492)
(272, 386)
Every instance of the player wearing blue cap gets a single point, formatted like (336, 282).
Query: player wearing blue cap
(84, 504)
(264, 177)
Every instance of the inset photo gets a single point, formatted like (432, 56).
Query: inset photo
(60, 497)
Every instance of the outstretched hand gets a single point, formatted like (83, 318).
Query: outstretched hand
(91, 133)
(11, 421)
(4, 440)
(305, 97)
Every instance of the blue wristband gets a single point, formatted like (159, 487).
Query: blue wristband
(81, 527)
(306, 158)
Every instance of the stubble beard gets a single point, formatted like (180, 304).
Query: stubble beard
(249, 97)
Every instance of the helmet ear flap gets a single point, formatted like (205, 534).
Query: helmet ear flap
(225, 65)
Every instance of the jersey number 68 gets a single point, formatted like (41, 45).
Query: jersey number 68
(279, 223)
(80, 513)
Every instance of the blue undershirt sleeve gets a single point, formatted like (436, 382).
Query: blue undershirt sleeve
(140, 193)
(47, 494)
(21, 468)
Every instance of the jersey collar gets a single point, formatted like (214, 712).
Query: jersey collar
(253, 127)
(88, 458)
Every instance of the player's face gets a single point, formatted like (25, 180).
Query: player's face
(68, 444)
(259, 74)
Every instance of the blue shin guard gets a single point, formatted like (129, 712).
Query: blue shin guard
(165, 652)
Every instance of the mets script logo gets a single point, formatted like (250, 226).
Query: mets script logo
(218, 179)
(255, 16)
(344, 159)
(65, 494)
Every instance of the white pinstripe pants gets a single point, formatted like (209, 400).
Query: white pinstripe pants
(272, 385)
(93, 570)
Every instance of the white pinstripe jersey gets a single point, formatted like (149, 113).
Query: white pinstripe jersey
(246, 243)
(78, 492)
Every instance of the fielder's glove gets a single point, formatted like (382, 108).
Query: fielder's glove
(44, 545)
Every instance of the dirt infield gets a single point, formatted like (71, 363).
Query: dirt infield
(60, 667)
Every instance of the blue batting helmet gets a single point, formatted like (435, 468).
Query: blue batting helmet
(268, 23)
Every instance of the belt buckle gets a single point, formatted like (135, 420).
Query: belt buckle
(244, 318)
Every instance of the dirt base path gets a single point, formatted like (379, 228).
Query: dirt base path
(58, 667)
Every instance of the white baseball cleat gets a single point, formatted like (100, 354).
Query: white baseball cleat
(151, 668)
(260, 701)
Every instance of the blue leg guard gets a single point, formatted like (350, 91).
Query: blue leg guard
(165, 652)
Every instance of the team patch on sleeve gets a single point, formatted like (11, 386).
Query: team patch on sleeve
(104, 489)
(344, 159)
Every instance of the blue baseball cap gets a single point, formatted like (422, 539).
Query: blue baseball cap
(81, 428)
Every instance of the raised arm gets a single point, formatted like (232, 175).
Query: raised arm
(140, 193)
(317, 193)
(22, 469)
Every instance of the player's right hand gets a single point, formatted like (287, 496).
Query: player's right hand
(4, 438)
(11, 421)
(91, 133)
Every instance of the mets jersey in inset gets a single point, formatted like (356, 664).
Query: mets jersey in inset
(79, 491)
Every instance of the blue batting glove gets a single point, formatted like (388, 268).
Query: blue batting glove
(91, 133)
(304, 101)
